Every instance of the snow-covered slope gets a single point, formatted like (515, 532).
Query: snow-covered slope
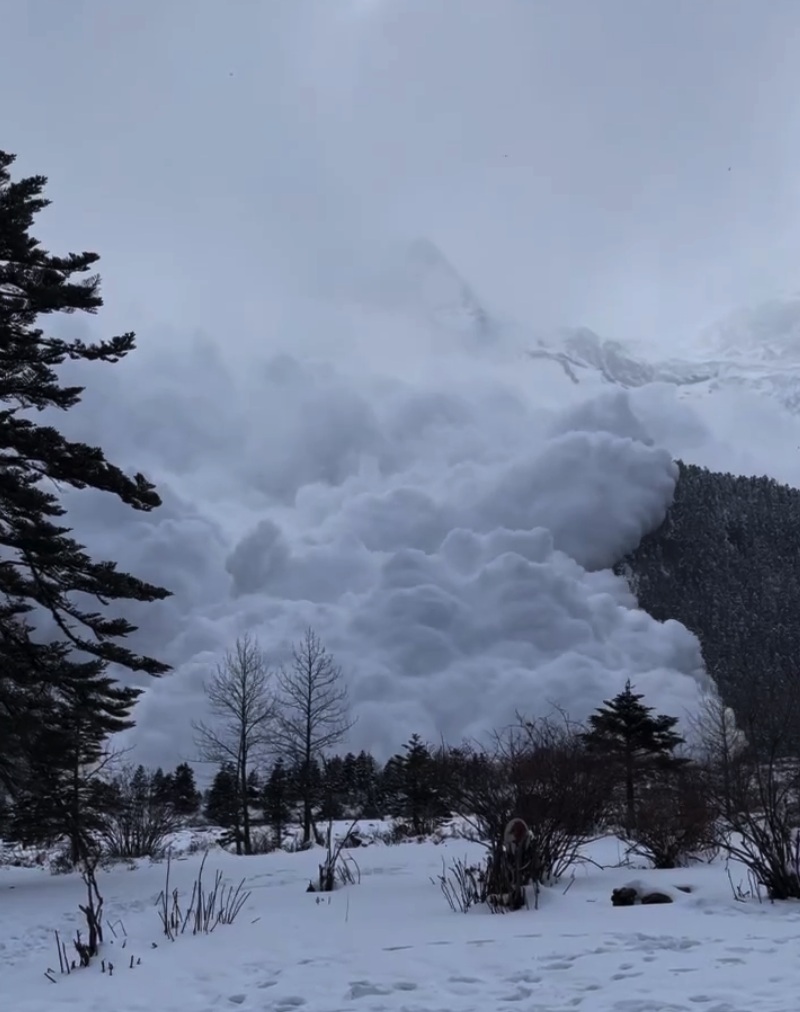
(756, 349)
(416, 280)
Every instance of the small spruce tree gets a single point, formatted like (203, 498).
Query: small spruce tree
(638, 743)
(333, 795)
(369, 798)
(415, 788)
(183, 791)
(222, 803)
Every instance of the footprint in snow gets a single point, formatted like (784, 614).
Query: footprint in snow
(366, 989)
(287, 1004)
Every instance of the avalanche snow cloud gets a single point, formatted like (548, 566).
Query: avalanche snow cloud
(449, 537)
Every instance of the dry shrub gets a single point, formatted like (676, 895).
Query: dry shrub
(138, 821)
(755, 782)
(538, 770)
(676, 821)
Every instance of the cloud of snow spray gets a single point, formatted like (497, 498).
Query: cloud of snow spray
(444, 528)
(359, 445)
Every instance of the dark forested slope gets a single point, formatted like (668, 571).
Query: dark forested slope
(726, 563)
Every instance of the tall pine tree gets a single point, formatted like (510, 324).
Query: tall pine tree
(639, 743)
(46, 577)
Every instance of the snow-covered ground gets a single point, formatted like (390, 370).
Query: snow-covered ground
(392, 942)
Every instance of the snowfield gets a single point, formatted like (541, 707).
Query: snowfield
(392, 942)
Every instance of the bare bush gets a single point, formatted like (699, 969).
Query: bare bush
(207, 908)
(337, 867)
(262, 841)
(139, 820)
(539, 772)
(759, 792)
(462, 885)
(676, 821)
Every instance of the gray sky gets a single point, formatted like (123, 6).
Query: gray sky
(630, 165)
(248, 172)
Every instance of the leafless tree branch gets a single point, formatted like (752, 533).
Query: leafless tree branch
(312, 713)
(243, 703)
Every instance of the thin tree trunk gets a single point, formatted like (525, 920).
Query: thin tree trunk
(248, 847)
(307, 801)
(630, 794)
(307, 779)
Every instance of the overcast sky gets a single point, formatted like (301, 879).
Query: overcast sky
(630, 165)
(248, 172)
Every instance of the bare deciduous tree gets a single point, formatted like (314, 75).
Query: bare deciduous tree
(718, 743)
(757, 783)
(312, 713)
(242, 701)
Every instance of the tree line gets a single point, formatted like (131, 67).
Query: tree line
(133, 811)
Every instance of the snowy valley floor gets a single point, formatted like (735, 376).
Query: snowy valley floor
(392, 943)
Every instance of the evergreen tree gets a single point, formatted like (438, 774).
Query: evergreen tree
(5, 814)
(277, 797)
(254, 789)
(140, 786)
(368, 796)
(416, 794)
(183, 791)
(42, 679)
(349, 777)
(222, 803)
(61, 792)
(333, 793)
(627, 734)
(161, 784)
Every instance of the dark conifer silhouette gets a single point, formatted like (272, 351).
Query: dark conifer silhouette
(277, 797)
(414, 786)
(56, 701)
(223, 805)
(183, 791)
(627, 734)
